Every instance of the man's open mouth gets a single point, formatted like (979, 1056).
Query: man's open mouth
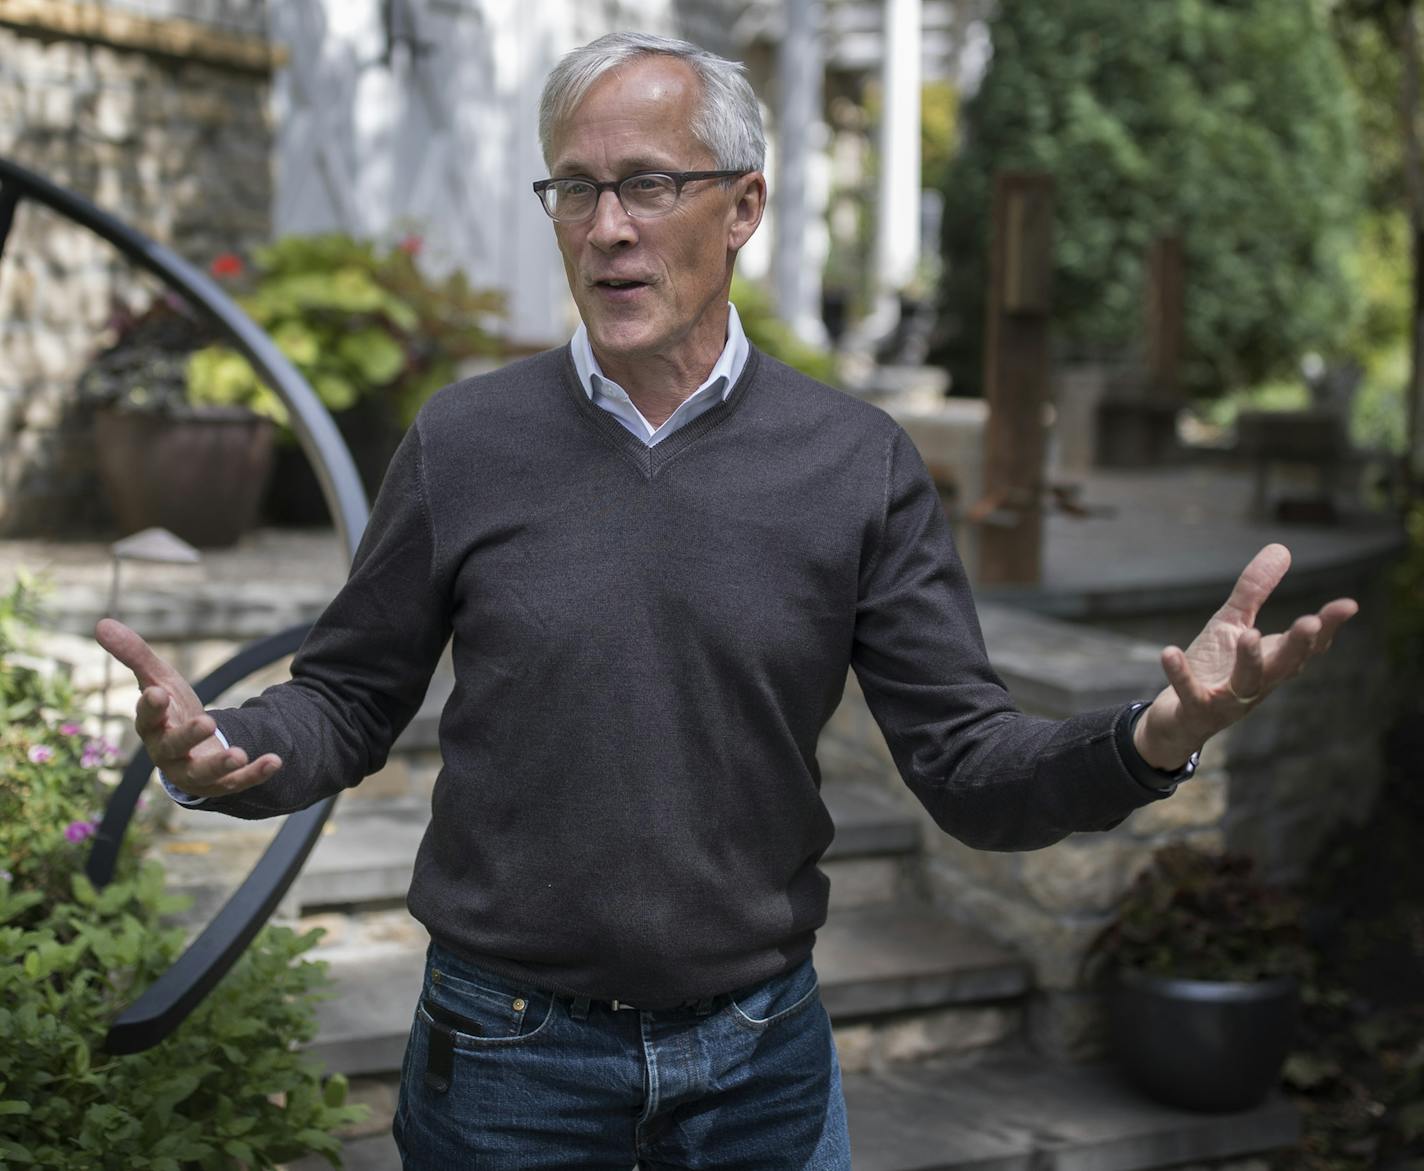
(616, 284)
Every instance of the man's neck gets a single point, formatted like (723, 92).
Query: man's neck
(660, 383)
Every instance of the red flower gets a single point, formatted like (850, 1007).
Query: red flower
(411, 244)
(226, 264)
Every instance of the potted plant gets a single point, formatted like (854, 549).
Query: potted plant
(1202, 969)
(171, 452)
(372, 334)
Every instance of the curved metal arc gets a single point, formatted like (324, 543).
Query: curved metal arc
(320, 440)
(164, 1005)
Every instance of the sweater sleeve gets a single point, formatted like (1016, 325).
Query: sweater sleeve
(990, 776)
(362, 672)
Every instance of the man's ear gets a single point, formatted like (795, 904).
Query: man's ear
(747, 211)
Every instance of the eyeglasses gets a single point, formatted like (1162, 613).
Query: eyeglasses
(644, 195)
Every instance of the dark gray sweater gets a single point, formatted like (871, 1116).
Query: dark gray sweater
(647, 644)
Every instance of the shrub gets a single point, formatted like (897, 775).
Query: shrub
(1229, 124)
(1198, 915)
(229, 1088)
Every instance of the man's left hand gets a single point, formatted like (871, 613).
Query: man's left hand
(1230, 667)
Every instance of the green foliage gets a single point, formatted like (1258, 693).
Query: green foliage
(766, 331)
(1203, 916)
(1379, 340)
(1229, 124)
(228, 1089)
(147, 366)
(27, 683)
(358, 321)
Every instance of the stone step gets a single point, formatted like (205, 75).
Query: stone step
(367, 850)
(886, 965)
(1002, 1111)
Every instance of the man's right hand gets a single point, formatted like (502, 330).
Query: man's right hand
(177, 732)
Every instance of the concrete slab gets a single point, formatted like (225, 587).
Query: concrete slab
(1017, 1112)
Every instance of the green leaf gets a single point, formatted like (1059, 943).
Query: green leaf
(333, 1093)
(14, 1107)
(373, 354)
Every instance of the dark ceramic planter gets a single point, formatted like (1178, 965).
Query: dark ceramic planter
(1202, 1044)
(199, 473)
(294, 499)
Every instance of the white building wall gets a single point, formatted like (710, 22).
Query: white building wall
(439, 138)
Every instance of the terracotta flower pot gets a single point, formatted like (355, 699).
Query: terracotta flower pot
(1202, 1044)
(200, 472)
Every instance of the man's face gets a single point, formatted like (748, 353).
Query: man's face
(638, 118)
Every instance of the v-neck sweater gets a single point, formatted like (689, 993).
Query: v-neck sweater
(647, 643)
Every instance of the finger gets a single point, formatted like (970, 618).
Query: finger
(1248, 672)
(1293, 648)
(1261, 576)
(1334, 615)
(177, 743)
(151, 716)
(233, 774)
(132, 651)
(1179, 674)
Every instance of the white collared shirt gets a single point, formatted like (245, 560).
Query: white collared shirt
(604, 392)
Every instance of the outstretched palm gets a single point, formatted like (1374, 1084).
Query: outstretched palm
(1229, 667)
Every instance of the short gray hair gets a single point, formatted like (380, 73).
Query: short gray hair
(728, 119)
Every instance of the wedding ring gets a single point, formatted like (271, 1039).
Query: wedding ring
(1242, 699)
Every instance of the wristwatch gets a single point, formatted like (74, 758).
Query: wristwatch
(1157, 779)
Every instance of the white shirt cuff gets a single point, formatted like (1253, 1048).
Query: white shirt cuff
(176, 793)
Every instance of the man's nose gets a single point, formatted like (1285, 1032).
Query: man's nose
(611, 224)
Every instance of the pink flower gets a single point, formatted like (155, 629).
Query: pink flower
(96, 752)
(411, 244)
(77, 831)
(70, 729)
(40, 753)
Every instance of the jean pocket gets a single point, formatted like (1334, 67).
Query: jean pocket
(477, 1008)
(776, 999)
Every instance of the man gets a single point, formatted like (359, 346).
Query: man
(658, 553)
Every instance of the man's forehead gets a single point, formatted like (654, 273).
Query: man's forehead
(571, 162)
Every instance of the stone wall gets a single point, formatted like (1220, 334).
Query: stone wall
(164, 124)
(1276, 786)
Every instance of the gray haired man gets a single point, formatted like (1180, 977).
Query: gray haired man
(658, 552)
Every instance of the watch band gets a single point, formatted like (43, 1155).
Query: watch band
(1156, 779)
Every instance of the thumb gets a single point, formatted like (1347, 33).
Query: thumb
(130, 649)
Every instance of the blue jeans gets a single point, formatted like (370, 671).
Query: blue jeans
(500, 1076)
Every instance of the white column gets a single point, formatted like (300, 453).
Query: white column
(897, 236)
(800, 133)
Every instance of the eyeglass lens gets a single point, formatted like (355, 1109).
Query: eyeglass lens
(640, 195)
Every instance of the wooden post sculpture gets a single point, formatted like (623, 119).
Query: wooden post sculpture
(1016, 373)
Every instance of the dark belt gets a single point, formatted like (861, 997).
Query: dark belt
(579, 1006)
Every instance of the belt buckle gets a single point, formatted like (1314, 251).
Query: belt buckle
(617, 1004)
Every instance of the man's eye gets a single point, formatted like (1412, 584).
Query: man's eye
(573, 189)
(647, 182)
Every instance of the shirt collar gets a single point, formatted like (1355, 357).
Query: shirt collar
(729, 365)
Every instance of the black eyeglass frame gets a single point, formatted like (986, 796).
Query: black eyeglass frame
(679, 178)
